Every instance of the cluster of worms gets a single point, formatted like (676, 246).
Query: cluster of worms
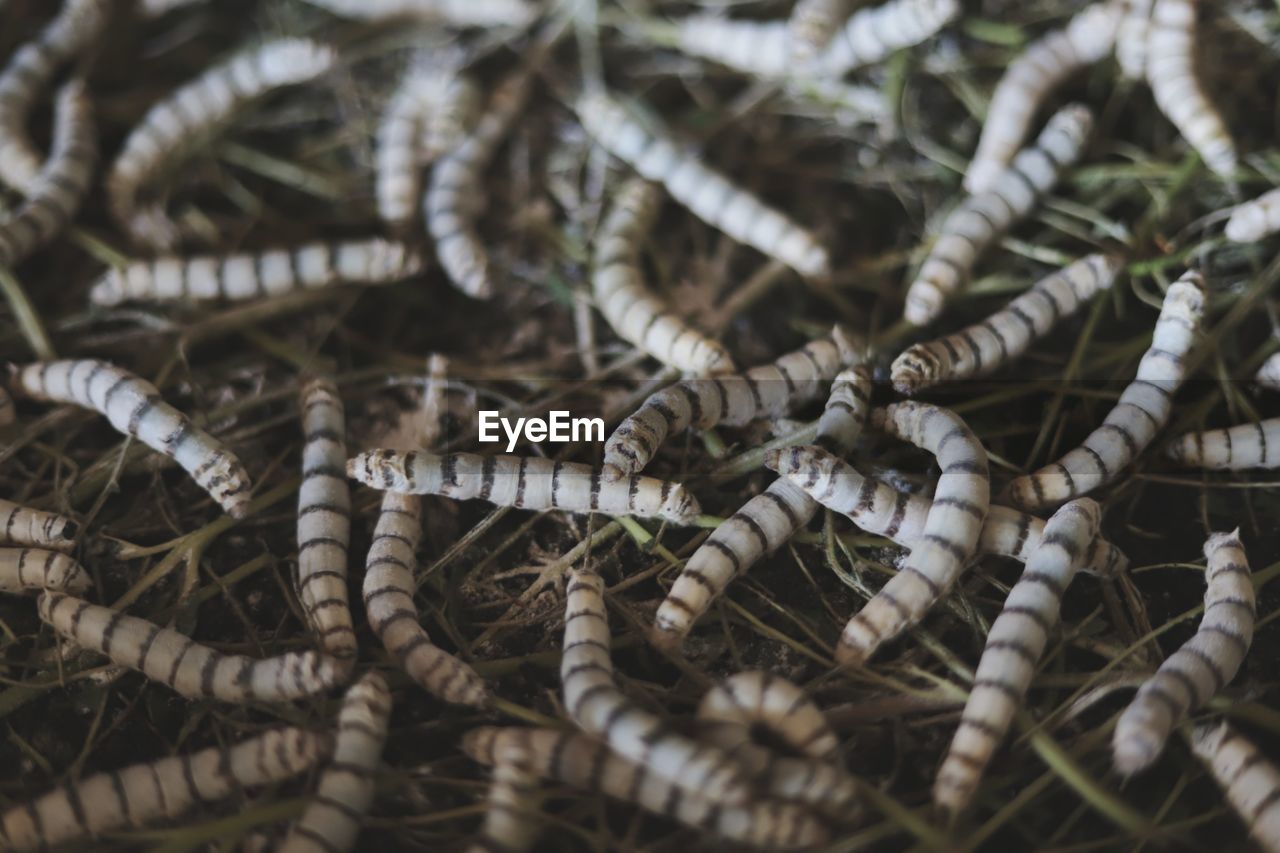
(820, 425)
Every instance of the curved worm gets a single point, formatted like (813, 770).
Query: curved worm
(20, 525)
(23, 569)
(1249, 779)
(511, 823)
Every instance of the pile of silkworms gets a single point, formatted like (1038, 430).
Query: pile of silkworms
(248, 685)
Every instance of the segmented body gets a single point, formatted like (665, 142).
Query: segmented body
(23, 569)
(511, 824)
(1251, 781)
(1255, 445)
(20, 525)
(1131, 40)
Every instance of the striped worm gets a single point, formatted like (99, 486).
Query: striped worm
(1179, 93)
(1255, 445)
(734, 399)
(511, 823)
(1143, 408)
(1268, 375)
(22, 569)
(1251, 781)
(1256, 219)
(762, 524)
(1131, 40)
(24, 526)
(331, 821)
(179, 662)
(706, 193)
(590, 765)
(30, 70)
(1201, 667)
(196, 110)
(1027, 83)
(632, 310)
(980, 219)
(1006, 334)
(137, 795)
(477, 13)
(249, 275)
(880, 509)
(1015, 643)
(595, 703)
(324, 519)
(393, 616)
(525, 482)
(133, 406)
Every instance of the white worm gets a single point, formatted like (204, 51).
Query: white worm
(526, 482)
(393, 616)
(1249, 779)
(22, 569)
(324, 519)
(1015, 643)
(195, 110)
(1131, 40)
(1142, 410)
(1006, 334)
(706, 193)
(733, 399)
(455, 108)
(595, 703)
(139, 794)
(1201, 667)
(331, 821)
(636, 314)
(762, 525)
(1087, 38)
(249, 275)
(133, 406)
(511, 823)
(590, 765)
(1255, 445)
(980, 219)
(179, 662)
(1255, 220)
(20, 525)
(1179, 93)
(477, 13)
(1268, 375)
(873, 34)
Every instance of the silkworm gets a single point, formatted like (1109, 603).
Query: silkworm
(20, 525)
(525, 482)
(1255, 220)
(873, 34)
(23, 569)
(1201, 667)
(1087, 38)
(251, 275)
(1251, 781)
(179, 662)
(980, 219)
(477, 13)
(331, 821)
(1255, 445)
(732, 399)
(1131, 40)
(1142, 410)
(1015, 643)
(590, 765)
(393, 616)
(706, 193)
(510, 823)
(1179, 93)
(324, 519)
(1268, 375)
(761, 525)
(1006, 334)
(632, 311)
(133, 406)
(195, 110)
(142, 793)
(595, 703)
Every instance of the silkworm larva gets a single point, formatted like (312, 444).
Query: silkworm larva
(1255, 220)
(20, 525)
(477, 13)
(32, 67)
(324, 519)
(1142, 410)
(193, 111)
(331, 821)
(706, 193)
(1015, 643)
(1250, 780)
(590, 765)
(1255, 445)
(511, 823)
(1201, 667)
(880, 509)
(141, 793)
(595, 703)
(812, 24)
(22, 569)
(873, 34)
(980, 219)
(251, 275)
(179, 662)
(1131, 40)
(1268, 376)
(733, 400)
(1179, 93)
(393, 616)
(526, 482)
(762, 524)
(1006, 334)
(634, 313)
(133, 406)
(1030, 78)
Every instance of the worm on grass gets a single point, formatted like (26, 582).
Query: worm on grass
(1250, 780)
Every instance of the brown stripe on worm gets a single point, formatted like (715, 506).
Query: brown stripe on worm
(20, 525)
(511, 823)
(1250, 780)
(1255, 445)
(23, 569)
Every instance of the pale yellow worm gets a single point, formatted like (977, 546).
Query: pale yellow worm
(1250, 780)
(23, 569)
(20, 525)
(473, 13)
(511, 822)
(1255, 445)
